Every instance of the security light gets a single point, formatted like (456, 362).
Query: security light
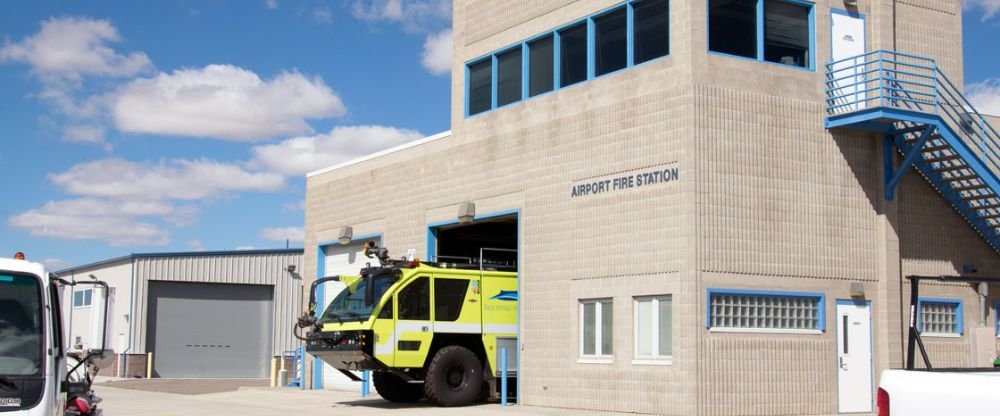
(857, 290)
(345, 235)
(466, 212)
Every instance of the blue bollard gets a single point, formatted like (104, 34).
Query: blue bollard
(365, 376)
(503, 376)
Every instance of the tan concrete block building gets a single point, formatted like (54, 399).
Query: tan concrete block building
(691, 237)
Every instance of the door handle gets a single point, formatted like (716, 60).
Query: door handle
(843, 365)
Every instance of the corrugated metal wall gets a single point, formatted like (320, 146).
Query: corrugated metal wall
(253, 268)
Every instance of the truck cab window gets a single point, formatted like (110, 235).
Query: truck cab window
(414, 300)
(20, 325)
(449, 295)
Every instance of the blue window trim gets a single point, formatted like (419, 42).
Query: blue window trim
(821, 325)
(959, 312)
(556, 50)
(996, 317)
(321, 294)
(760, 36)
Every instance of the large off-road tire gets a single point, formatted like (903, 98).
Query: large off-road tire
(454, 377)
(395, 389)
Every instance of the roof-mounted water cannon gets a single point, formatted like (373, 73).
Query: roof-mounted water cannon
(381, 253)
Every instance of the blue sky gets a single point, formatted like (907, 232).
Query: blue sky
(184, 125)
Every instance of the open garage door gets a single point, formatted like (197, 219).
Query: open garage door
(201, 330)
(495, 239)
(342, 259)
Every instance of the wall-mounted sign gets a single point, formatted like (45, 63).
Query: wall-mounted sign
(638, 178)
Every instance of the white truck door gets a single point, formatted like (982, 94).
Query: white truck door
(854, 356)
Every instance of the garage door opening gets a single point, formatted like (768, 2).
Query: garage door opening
(491, 242)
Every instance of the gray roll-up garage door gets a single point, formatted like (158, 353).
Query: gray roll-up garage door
(210, 330)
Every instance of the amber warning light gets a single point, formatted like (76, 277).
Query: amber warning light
(19, 256)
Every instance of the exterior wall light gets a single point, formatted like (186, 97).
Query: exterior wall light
(466, 212)
(851, 3)
(857, 290)
(345, 235)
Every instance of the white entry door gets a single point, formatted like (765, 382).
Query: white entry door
(848, 40)
(854, 356)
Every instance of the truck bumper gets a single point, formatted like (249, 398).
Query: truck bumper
(342, 355)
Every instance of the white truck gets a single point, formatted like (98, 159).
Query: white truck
(937, 391)
(37, 375)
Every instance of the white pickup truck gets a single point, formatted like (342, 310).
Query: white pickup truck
(937, 391)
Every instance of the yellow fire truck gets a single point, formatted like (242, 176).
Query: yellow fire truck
(424, 330)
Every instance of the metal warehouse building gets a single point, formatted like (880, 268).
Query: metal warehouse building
(714, 203)
(200, 314)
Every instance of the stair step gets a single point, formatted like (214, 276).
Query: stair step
(970, 187)
(987, 206)
(951, 168)
(935, 148)
(942, 158)
(978, 197)
(906, 130)
(990, 217)
(960, 178)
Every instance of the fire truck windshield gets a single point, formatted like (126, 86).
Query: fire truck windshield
(349, 305)
(20, 325)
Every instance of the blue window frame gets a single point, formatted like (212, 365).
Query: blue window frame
(940, 316)
(755, 310)
(614, 39)
(775, 31)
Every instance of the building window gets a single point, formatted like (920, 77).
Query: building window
(509, 76)
(653, 327)
(651, 30)
(83, 298)
(449, 296)
(414, 300)
(634, 32)
(768, 30)
(573, 55)
(480, 86)
(611, 41)
(939, 316)
(753, 311)
(596, 328)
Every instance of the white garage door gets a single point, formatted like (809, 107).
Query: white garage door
(347, 259)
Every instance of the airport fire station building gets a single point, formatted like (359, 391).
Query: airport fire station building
(713, 205)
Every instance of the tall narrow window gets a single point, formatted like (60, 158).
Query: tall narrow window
(573, 55)
(611, 41)
(541, 74)
(415, 300)
(597, 328)
(786, 33)
(651, 34)
(653, 329)
(509, 76)
(732, 27)
(480, 86)
(449, 296)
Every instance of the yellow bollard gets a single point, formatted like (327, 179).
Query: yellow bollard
(149, 365)
(274, 373)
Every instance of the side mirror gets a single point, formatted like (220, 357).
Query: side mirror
(100, 358)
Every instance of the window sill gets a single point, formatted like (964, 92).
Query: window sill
(654, 361)
(767, 331)
(595, 361)
(937, 335)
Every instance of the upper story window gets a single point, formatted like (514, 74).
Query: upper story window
(778, 31)
(759, 311)
(941, 317)
(82, 298)
(614, 39)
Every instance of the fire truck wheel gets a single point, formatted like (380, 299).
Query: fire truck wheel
(395, 389)
(454, 377)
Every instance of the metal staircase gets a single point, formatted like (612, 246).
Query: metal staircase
(920, 113)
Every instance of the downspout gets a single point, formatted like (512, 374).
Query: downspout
(131, 320)
(983, 292)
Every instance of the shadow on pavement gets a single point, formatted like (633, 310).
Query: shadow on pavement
(187, 386)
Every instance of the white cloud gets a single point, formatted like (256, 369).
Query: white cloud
(323, 14)
(84, 133)
(437, 53)
(417, 16)
(271, 4)
(294, 207)
(176, 179)
(93, 219)
(73, 47)
(223, 101)
(300, 155)
(985, 96)
(990, 7)
(284, 233)
(245, 248)
(195, 245)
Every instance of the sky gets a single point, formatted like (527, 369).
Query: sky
(183, 125)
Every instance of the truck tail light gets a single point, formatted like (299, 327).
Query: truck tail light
(883, 402)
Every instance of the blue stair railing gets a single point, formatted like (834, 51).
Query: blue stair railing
(298, 366)
(925, 117)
